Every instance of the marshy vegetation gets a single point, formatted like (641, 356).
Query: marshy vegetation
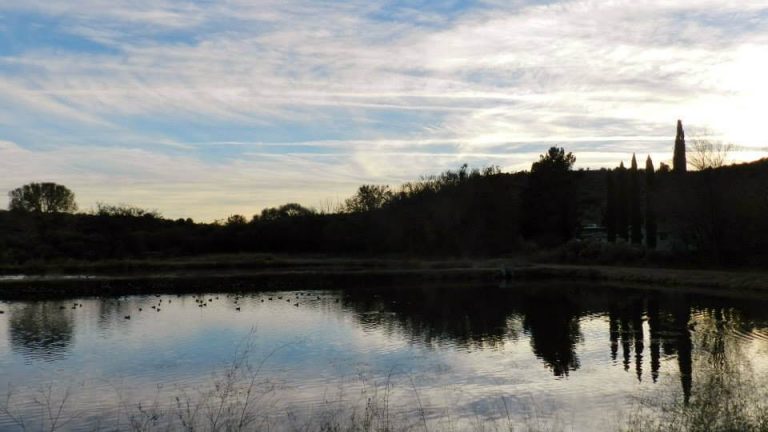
(728, 394)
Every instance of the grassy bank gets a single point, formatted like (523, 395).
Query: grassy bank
(237, 272)
(233, 273)
(719, 282)
(241, 262)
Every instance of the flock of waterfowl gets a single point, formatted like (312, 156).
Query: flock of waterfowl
(203, 301)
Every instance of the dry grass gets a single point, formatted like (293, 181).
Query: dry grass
(239, 398)
(736, 283)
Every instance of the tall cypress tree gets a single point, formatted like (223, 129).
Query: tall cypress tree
(610, 208)
(678, 159)
(635, 214)
(622, 228)
(650, 204)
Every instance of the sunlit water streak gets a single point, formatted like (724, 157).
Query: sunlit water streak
(568, 355)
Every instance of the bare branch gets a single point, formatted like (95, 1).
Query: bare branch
(706, 151)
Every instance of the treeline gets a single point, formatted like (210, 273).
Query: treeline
(713, 215)
(721, 214)
(459, 212)
(625, 218)
(718, 215)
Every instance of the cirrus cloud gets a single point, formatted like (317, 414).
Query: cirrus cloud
(203, 108)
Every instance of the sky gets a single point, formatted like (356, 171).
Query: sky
(205, 108)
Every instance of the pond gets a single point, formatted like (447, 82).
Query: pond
(552, 355)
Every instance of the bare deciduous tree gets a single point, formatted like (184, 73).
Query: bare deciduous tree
(707, 152)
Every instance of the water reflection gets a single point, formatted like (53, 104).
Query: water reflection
(469, 319)
(41, 330)
(641, 331)
(640, 323)
(553, 326)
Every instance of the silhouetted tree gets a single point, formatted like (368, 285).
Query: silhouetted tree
(707, 152)
(125, 210)
(368, 198)
(678, 160)
(42, 198)
(610, 208)
(635, 213)
(622, 222)
(550, 198)
(285, 211)
(556, 161)
(650, 204)
(236, 220)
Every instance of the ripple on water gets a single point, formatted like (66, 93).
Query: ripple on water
(342, 347)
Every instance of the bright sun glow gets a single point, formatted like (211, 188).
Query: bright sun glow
(739, 112)
(305, 106)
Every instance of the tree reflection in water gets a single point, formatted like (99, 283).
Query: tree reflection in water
(553, 326)
(487, 317)
(727, 394)
(476, 318)
(41, 330)
(472, 319)
(550, 315)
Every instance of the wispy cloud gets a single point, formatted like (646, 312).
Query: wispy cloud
(331, 94)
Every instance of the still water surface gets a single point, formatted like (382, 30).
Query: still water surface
(571, 356)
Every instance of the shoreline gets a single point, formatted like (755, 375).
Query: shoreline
(741, 283)
(271, 272)
(209, 281)
(241, 262)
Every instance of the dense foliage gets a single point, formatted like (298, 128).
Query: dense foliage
(550, 199)
(455, 213)
(718, 215)
(42, 198)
